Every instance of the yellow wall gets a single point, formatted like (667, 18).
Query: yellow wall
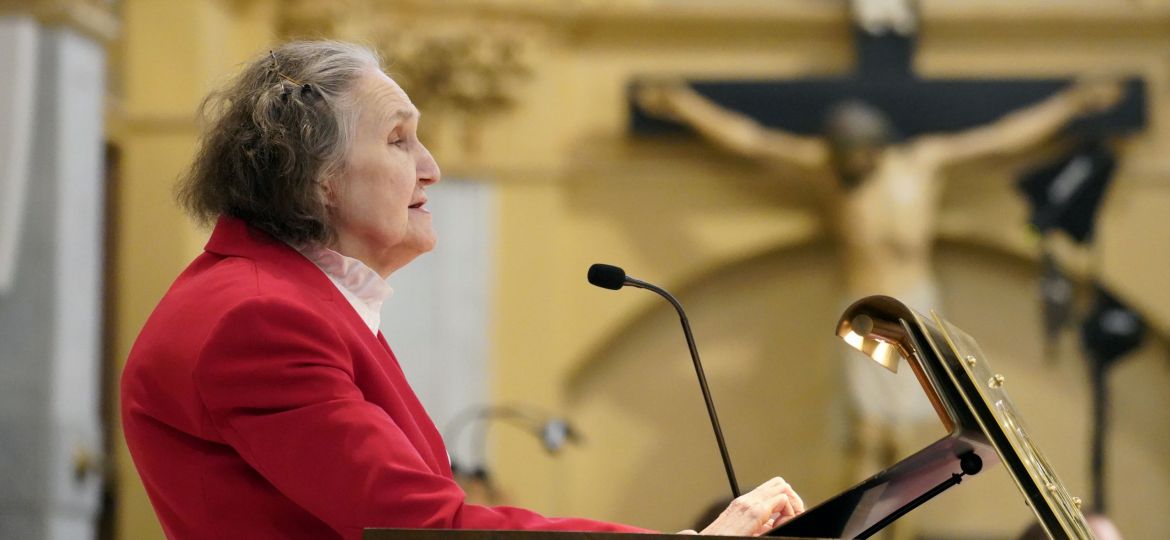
(686, 217)
(170, 55)
(743, 247)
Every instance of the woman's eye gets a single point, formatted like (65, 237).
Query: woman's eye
(398, 142)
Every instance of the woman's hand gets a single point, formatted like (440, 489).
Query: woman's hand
(758, 511)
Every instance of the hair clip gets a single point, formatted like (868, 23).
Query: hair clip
(276, 69)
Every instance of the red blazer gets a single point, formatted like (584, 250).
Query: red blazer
(257, 404)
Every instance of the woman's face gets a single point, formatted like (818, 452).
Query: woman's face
(377, 200)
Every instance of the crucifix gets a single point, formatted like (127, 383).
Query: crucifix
(881, 137)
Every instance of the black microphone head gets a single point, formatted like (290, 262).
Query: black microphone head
(606, 276)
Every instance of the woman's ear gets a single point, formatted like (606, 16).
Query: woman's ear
(328, 191)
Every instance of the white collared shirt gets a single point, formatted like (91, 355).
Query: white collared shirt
(360, 284)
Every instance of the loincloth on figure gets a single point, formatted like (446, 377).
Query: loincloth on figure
(878, 396)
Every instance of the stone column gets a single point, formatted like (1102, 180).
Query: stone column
(51, 312)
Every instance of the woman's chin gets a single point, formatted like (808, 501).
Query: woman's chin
(407, 251)
(425, 242)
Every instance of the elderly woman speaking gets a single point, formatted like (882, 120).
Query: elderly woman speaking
(260, 399)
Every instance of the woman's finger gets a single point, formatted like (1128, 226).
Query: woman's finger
(758, 511)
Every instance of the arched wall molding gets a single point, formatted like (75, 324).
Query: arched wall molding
(712, 270)
(973, 218)
(649, 303)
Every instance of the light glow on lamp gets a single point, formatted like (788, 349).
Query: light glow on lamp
(855, 340)
(855, 331)
(886, 355)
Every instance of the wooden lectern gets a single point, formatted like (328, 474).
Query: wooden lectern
(983, 429)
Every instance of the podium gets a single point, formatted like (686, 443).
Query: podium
(983, 429)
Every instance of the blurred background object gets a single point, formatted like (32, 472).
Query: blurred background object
(52, 256)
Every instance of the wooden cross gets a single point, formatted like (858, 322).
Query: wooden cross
(884, 78)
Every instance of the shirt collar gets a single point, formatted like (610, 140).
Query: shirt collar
(365, 290)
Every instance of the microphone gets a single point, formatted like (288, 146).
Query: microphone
(614, 278)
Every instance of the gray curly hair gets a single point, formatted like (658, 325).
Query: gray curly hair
(274, 133)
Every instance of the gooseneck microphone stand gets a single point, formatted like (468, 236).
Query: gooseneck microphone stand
(612, 277)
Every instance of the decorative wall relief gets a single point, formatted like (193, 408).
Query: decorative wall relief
(468, 77)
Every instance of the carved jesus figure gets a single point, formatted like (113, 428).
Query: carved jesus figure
(883, 209)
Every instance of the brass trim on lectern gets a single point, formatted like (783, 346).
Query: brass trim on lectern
(973, 406)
